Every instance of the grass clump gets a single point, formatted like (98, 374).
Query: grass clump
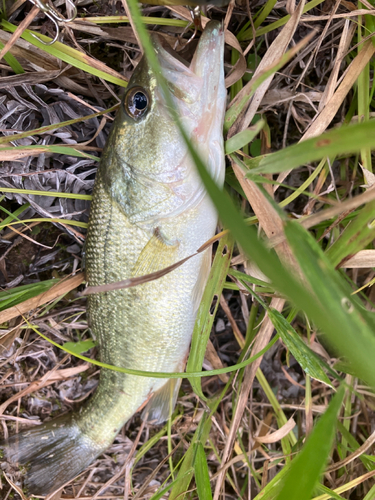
(289, 299)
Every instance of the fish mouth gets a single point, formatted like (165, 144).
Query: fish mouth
(186, 82)
(210, 49)
(200, 95)
(207, 64)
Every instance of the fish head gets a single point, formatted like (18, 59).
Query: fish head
(146, 165)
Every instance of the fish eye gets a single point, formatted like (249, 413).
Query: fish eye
(136, 102)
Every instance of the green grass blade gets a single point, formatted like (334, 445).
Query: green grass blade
(264, 12)
(351, 327)
(150, 444)
(14, 215)
(323, 489)
(273, 486)
(158, 495)
(201, 435)
(240, 140)
(363, 92)
(157, 21)
(246, 278)
(16, 295)
(371, 494)
(202, 477)
(302, 188)
(307, 468)
(290, 439)
(348, 139)
(55, 194)
(68, 222)
(357, 235)
(12, 61)
(308, 360)
(54, 126)
(355, 445)
(235, 109)
(261, 179)
(247, 35)
(143, 373)
(205, 317)
(66, 54)
(36, 150)
(81, 346)
(184, 477)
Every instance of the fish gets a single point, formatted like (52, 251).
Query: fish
(149, 210)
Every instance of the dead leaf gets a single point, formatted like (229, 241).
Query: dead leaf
(130, 17)
(17, 154)
(277, 435)
(240, 67)
(369, 177)
(236, 331)
(261, 341)
(324, 118)
(331, 212)
(124, 34)
(276, 96)
(212, 356)
(358, 452)
(268, 217)
(345, 39)
(49, 378)
(362, 259)
(31, 78)
(272, 56)
(61, 288)
(19, 30)
(353, 13)
(31, 57)
(15, 487)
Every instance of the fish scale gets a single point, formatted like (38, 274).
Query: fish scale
(149, 210)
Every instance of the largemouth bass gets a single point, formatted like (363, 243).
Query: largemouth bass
(149, 210)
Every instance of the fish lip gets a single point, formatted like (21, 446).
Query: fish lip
(212, 35)
(213, 25)
(210, 49)
(214, 29)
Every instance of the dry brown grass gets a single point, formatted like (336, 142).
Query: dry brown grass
(250, 431)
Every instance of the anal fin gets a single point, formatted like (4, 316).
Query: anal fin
(156, 254)
(162, 402)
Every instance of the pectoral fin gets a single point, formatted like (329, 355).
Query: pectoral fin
(162, 402)
(157, 254)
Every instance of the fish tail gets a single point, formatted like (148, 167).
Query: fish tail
(52, 454)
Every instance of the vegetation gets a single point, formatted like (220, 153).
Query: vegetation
(278, 398)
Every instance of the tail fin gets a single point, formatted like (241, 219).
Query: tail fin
(52, 454)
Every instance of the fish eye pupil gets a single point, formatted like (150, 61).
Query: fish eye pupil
(140, 101)
(136, 102)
